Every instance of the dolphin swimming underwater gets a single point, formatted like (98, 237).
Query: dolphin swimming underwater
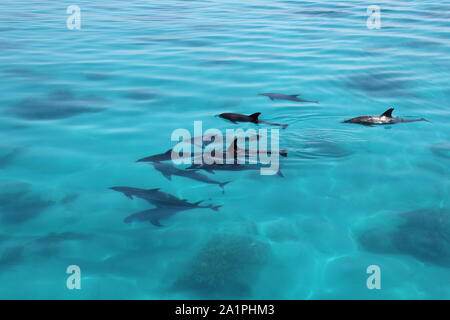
(289, 97)
(168, 170)
(228, 167)
(167, 156)
(384, 118)
(153, 215)
(200, 141)
(162, 199)
(237, 117)
(235, 152)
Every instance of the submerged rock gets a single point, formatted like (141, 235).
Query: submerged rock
(422, 234)
(226, 266)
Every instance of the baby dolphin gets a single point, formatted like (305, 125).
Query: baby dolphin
(289, 97)
(384, 118)
(168, 170)
(237, 117)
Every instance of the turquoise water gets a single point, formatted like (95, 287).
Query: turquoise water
(78, 107)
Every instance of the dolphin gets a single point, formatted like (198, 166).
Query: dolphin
(166, 156)
(200, 141)
(168, 170)
(384, 118)
(161, 199)
(237, 117)
(153, 215)
(247, 152)
(289, 97)
(235, 152)
(227, 167)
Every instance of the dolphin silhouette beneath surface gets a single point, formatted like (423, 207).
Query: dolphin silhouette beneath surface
(200, 141)
(162, 199)
(228, 167)
(166, 156)
(168, 170)
(237, 117)
(384, 118)
(234, 152)
(153, 215)
(289, 97)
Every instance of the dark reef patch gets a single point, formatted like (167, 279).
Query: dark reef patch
(225, 267)
(422, 234)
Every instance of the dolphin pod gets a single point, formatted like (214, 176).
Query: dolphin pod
(167, 205)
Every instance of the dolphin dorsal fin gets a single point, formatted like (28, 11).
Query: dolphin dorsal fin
(294, 95)
(255, 116)
(388, 113)
(233, 148)
(154, 189)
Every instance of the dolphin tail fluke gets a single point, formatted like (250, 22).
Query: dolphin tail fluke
(156, 223)
(129, 195)
(222, 185)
